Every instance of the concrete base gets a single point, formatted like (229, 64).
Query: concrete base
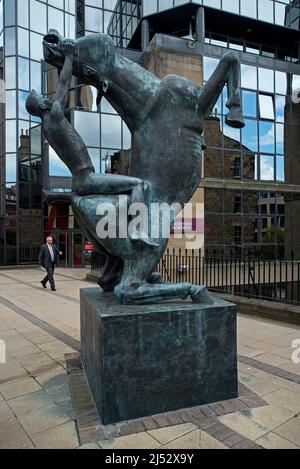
(146, 360)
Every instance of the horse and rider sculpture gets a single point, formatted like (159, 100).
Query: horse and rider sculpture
(166, 119)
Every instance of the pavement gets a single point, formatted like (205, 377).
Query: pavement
(40, 389)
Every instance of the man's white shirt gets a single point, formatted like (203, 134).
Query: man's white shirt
(51, 252)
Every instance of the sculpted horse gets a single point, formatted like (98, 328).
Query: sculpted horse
(166, 119)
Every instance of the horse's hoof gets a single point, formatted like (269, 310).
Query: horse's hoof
(235, 118)
(201, 295)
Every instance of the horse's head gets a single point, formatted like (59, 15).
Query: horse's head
(93, 57)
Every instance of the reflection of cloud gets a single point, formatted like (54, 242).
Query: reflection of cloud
(268, 138)
(232, 133)
(210, 65)
(56, 166)
(267, 168)
(111, 131)
(249, 77)
(10, 164)
(296, 82)
(281, 82)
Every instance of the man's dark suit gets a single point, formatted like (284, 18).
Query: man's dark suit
(49, 264)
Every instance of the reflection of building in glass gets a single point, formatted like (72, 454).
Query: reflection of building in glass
(23, 24)
(124, 21)
(120, 162)
(292, 14)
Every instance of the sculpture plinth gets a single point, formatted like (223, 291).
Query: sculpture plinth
(146, 360)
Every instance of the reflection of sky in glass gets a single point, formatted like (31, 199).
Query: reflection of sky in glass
(111, 131)
(280, 139)
(266, 80)
(87, 125)
(249, 77)
(10, 108)
(280, 169)
(249, 135)
(95, 157)
(56, 166)
(266, 107)
(35, 69)
(280, 102)
(266, 137)
(10, 136)
(10, 168)
(23, 74)
(209, 65)
(249, 104)
(126, 137)
(296, 82)
(234, 134)
(23, 114)
(281, 82)
(267, 171)
(35, 140)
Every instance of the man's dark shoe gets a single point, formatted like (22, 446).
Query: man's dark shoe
(53, 289)
(44, 285)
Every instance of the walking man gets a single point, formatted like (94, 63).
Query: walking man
(48, 259)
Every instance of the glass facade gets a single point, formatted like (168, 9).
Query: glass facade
(24, 24)
(281, 12)
(117, 17)
(254, 223)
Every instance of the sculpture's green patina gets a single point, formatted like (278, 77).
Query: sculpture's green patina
(166, 119)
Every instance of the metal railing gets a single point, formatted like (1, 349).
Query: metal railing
(273, 280)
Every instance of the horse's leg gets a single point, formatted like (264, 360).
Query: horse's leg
(140, 286)
(227, 72)
(111, 275)
(148, 293)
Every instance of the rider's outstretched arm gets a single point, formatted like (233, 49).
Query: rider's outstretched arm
(65, 78)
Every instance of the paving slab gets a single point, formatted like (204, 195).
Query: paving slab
(61, 437)
(290, 431)
(19, 388)
(273, 441)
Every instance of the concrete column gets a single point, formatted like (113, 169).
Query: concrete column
(200, 24)
(145, 34)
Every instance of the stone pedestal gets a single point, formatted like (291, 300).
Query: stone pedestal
(145, 360)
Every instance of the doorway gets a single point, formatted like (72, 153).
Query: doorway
(71, 243)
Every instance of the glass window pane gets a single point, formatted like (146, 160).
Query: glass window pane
(267, 171)
(281, 83)
(11, 168)
(248, 8)
(10, 108)
(111, 131)
(249, 77)
(266, 107)
(87, 125)
(249, 104)
(266, 80)
(266, 137)
(10, 136)
(250, 135)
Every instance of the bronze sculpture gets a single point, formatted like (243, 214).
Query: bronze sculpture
(166, 119)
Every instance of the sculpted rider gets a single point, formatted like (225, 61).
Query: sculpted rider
(68, 144)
